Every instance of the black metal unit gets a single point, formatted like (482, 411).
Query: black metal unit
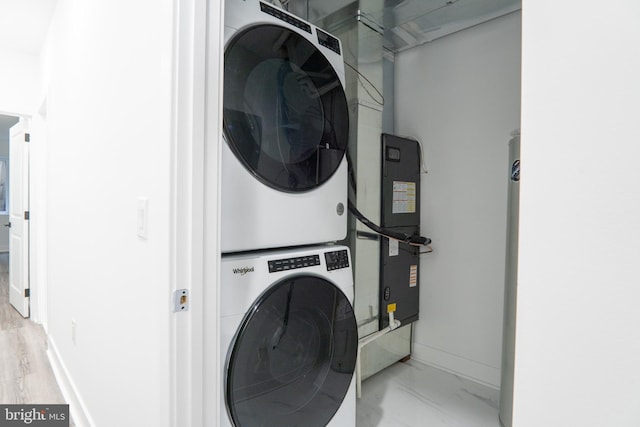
(400, 213)
(400, 182)
(399, 279)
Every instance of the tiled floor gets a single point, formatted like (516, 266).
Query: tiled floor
(412, 394)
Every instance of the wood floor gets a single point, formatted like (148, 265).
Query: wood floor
(25, 373)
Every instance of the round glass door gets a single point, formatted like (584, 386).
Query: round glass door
(293, 357)
(285, 111)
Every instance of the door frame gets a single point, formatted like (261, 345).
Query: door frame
(38, 208)
(37, 241)
(195, 244)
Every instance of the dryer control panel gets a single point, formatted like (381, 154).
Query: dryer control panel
(328, 41)
(286, 17)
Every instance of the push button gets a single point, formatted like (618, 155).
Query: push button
(336, 260)
(286, 264)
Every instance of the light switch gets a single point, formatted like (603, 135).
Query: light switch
(143, 217)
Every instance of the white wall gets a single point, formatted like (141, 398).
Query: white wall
(460, 95)
(19, 82)
(19, 92)
(108, 69)
(578, 339)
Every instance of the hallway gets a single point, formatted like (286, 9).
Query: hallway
(25, 372)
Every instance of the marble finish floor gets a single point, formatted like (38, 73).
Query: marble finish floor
(412, 394)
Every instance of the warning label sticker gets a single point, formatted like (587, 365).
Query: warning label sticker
(404, 197)
(413, 276)
(394, 247)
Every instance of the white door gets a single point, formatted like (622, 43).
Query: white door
(18, 219)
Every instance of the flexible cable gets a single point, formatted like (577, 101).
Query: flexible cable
(411, 239)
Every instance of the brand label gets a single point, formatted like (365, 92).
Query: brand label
(243, 270)
(34, 415)
(515, 171)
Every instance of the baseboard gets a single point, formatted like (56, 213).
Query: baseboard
(77, 408)
(463, 367)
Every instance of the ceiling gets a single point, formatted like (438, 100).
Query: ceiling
(5, 124)
(405, 23)
(24, 24)
(410, 23)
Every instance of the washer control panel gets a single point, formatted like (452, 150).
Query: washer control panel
(337, 259)
(286, 264)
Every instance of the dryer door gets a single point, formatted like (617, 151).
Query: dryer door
(293, 357)
(285, 111)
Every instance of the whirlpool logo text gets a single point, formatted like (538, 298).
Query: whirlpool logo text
(243, 270)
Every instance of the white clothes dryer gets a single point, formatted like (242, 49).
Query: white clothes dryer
(285, 126)
(289, 339)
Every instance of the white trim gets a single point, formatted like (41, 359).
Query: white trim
(77, 407)
(458, 365)
(209, 327)
(38, 266)
(187, 210)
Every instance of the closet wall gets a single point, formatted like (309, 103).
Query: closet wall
(577, 343)
(109, 123)
(460, 95)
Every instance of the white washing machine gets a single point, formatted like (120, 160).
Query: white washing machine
(286, 126)
(289, 339)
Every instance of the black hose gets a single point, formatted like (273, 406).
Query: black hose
(412, 239)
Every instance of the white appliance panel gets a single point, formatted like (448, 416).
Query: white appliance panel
(246, 279)
(270, 196)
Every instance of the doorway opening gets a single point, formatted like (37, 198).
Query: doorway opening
(14, 211)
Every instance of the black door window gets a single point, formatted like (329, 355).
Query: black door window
(293, 357)
(285, 111)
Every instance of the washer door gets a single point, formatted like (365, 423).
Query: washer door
(293, 357)
(285, 111)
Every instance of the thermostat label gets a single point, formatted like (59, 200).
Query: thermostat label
(404, 197)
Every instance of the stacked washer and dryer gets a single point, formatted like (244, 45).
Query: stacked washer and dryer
(288, 331)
